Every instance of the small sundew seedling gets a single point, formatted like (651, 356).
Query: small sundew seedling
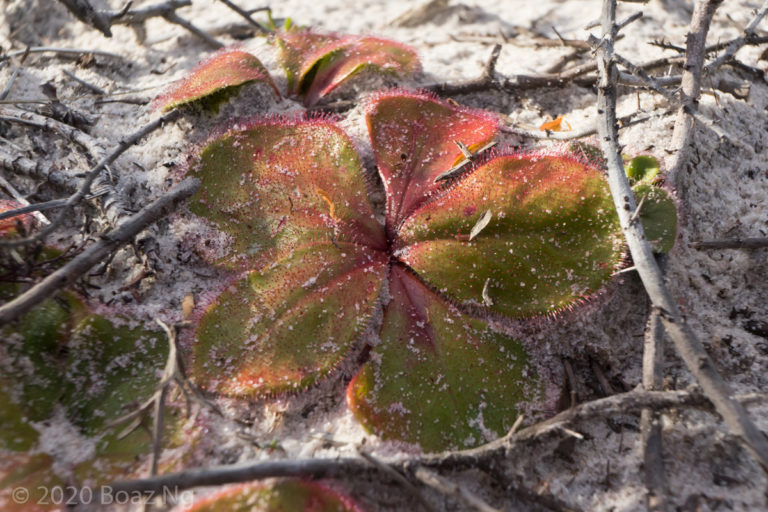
(514, 236)
(642, 169)
(315, 65)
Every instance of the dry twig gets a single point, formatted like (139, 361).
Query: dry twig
(84, 11)
(109, 242)
(91, 175)
(135, 16)
(399, 478)
(732, 243)
(622, 403)
(739, 42)
(650, 420)
(247, 15)
(457, 491)
(690, 86)
(688, 345)
(74, 52)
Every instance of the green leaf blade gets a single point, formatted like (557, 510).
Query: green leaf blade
(284, 328)
(277, 184)
(658, 213)
(224, 71)
(553, 238)
(439, 379)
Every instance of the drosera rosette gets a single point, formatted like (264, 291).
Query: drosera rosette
(510, 236)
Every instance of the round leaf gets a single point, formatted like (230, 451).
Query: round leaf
(414, 140)
(285, 496)
(284, 327)
(642, 169)
(278, 184)
(212, 81)
(439, 379)
(658, 213)
(553, 237)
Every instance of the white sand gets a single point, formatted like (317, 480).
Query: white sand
(723, 193)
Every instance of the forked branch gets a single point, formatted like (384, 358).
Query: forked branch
(688, 345)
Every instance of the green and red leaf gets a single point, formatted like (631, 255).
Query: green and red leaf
(274, 185)
(414, 141)
(285, 496)
(93, 369)
(10, 226)
(553, 237)
(318, 63)
(290, 324)
(215, 78)
(439, 378)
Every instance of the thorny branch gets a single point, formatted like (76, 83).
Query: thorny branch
(690, 86)
(653, 352)
(650, 420)
(688, 345)
(84, 11)
(459, 492)
(739, 42)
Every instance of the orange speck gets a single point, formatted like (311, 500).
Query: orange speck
(327, 199)
(560, 124)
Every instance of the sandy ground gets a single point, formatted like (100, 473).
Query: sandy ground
(722, 193)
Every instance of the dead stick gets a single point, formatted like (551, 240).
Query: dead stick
(688, 345)
(84, 11)
(650, 419)
(736, 44)
(621, 403)
(9, 85)
(91, 177)
(178, 20)
(110, 242)
(399, 478)
(690, 86)
(457, 491)
(732, 243)
(77, 52)
(245, 15)
(134, 16)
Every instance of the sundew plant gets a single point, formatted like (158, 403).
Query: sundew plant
(409, 292)
(467, 236)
